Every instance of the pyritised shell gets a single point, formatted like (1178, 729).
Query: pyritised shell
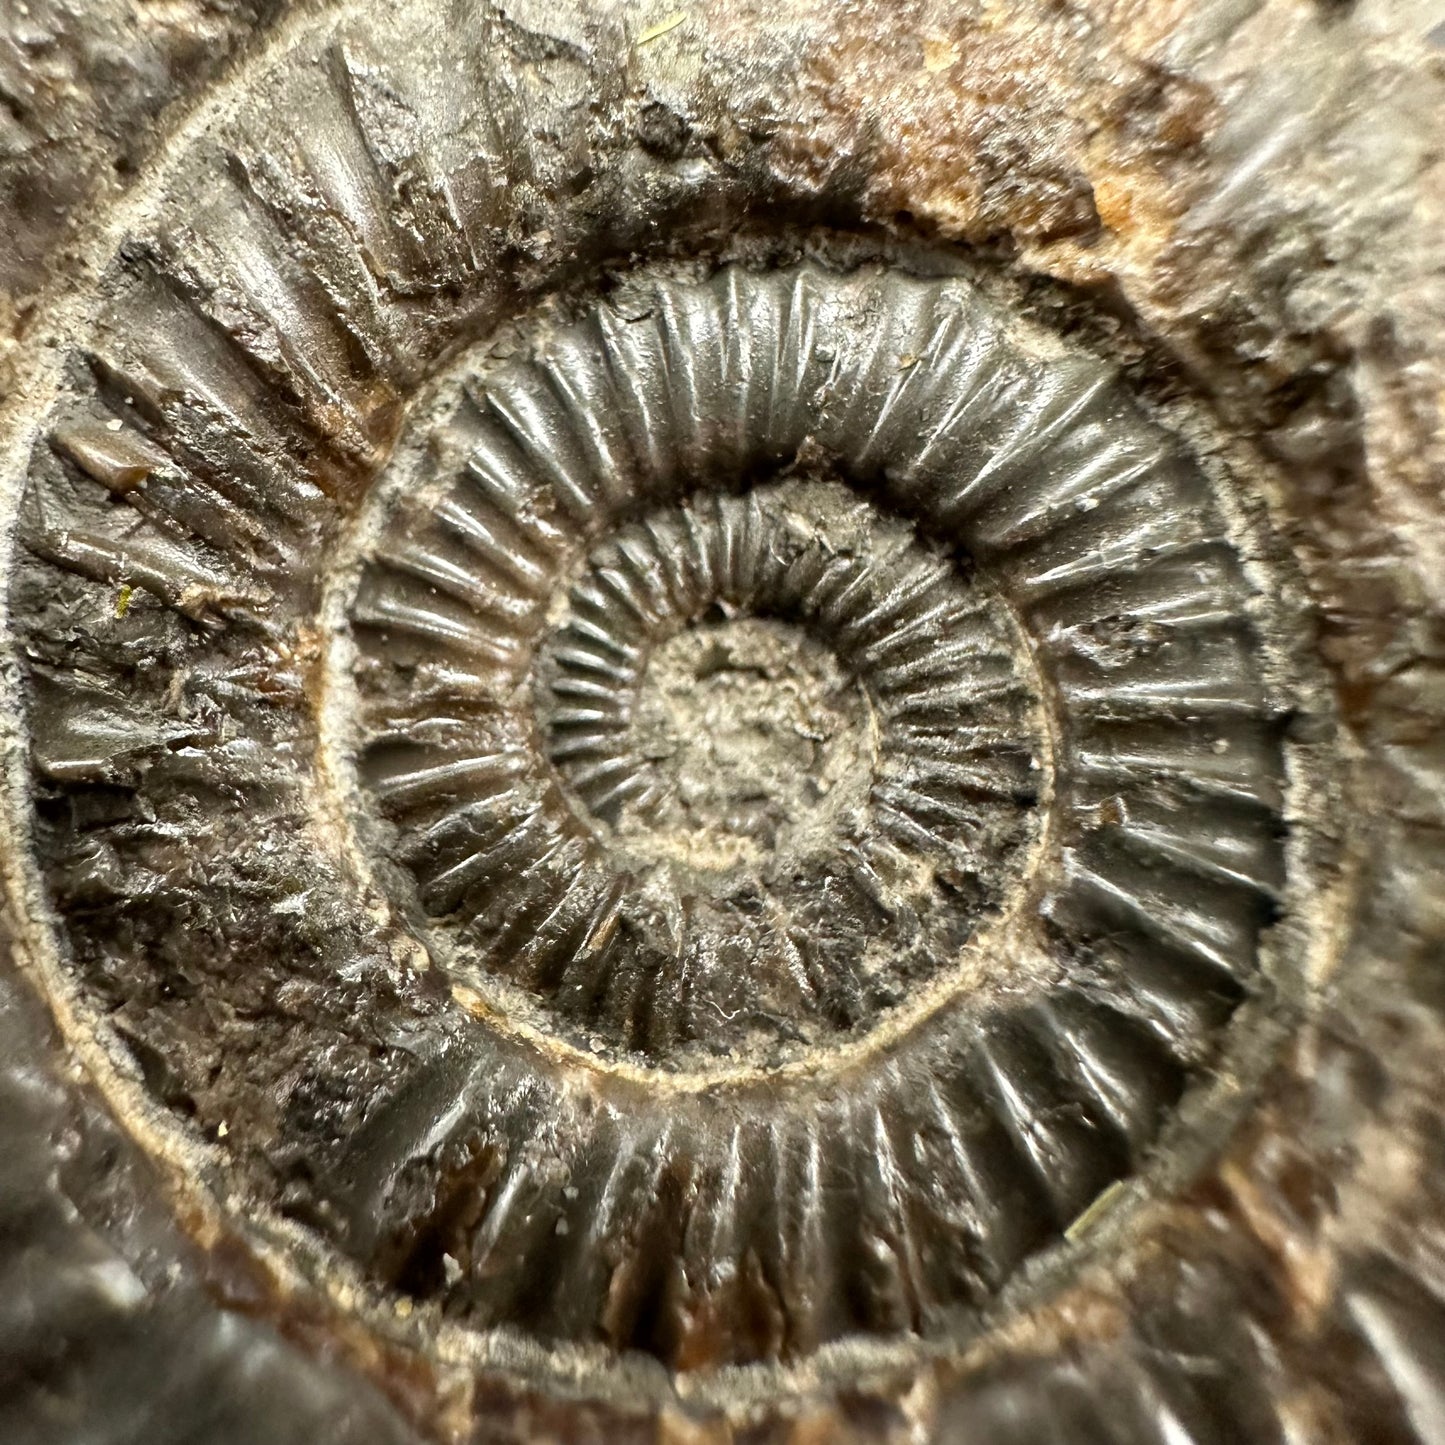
(721, 731)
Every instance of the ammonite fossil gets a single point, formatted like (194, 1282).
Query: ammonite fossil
(722, 725)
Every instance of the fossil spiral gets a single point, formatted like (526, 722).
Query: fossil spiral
(681, 772)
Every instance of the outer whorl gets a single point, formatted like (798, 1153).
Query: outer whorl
(689, 767)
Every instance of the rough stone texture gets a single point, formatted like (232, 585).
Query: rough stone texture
(1241, 203)
(103, 1291)
(84, 89)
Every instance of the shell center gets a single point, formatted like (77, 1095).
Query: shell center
(757, 743)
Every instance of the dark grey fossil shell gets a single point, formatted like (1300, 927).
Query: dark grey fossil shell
(940, 1106)
(665, 793)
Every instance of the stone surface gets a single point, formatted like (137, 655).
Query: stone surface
(458, 456)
